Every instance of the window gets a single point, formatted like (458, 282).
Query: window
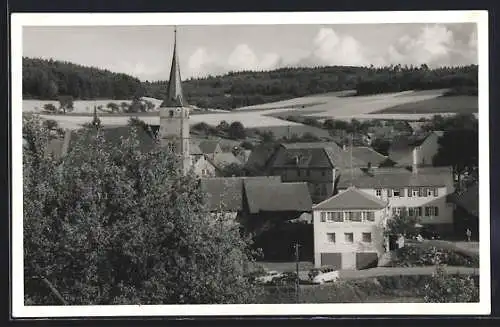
(172, 147)
(171, 113)
(421, 192)
(389, 193)
(415, 192)
(369, 216)
(323, 173)
(323, 217)
(398, 192)
(335, 216)
(378, 192)
(367, 237)
(431, 211)
(331, 237)
(394, 211)
(411, 212)
(435, 191)
(354, 216)
(418, 211)
(429, 192)
(349, 237)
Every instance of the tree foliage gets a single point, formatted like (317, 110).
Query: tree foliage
(45, 79)
(111, 224)
(445, 288)
(402, 224)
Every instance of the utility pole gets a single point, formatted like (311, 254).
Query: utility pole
(296, 246)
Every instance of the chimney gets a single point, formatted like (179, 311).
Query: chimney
(414, 167)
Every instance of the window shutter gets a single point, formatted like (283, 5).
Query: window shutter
(436, 211)
(409, 192)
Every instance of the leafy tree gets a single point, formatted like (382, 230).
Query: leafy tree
(267, 137)
(381, 146)
(51, 124)
(111, 224)
(445, 288)
(223, 126)
(458, 148)
(66, 103)
(236, 130)
(402, 224)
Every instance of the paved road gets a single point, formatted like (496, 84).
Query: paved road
(405, 271)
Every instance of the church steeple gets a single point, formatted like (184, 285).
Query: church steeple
(175, 97)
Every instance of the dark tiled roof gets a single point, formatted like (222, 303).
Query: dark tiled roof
(264, 196)
(220, 160)
(398, 177)
(366, 154)
(261, 155)
(228, 191)
(352, 198)
(468, 200)
(314, 155)
(208, 146)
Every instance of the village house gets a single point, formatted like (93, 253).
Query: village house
(422, 192)
(423, 145)
(313, 163)
(348, 230)
(257, 200)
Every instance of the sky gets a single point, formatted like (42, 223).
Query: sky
(145, 51)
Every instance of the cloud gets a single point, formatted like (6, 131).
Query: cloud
(433, 45)
(332, 48)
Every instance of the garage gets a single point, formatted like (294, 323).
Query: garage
(365, 260)
(331, 259)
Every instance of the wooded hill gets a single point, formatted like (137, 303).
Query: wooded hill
(48, 79)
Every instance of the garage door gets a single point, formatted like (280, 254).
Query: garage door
(331, 259)
(366, 260)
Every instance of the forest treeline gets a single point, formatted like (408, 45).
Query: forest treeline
(48, 79)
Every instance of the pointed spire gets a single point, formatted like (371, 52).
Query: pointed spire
(174, 97)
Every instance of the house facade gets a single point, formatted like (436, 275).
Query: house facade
(423, 146)
(348, 230)
(422, 193)
(313, 163)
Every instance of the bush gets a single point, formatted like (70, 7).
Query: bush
(444, 288)
(420, 255)
(49, 107)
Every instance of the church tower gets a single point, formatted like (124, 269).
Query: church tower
(174, 116)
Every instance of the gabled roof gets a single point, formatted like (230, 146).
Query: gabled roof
(367, 155)
(468, 200)
(209, 146)
(262, 155)
(223, 159)
(352, 198)
(403, 145)
(314, 155)
(264, 196)
(175, 97)
(194, 149)
(395, 177)
(228, 191)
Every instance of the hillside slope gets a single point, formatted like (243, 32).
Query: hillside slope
(48, 79)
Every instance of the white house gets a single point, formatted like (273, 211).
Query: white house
(421, 192)
(348, 230)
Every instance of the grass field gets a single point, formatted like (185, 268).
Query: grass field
(461, 104)
(335, 105)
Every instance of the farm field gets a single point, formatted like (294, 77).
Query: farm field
(264, 117)
(454, 104)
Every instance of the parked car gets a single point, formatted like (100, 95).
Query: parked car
(269, 276)
(286, 278)
(323, 275)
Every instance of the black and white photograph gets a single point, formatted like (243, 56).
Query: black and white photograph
(250, 164)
